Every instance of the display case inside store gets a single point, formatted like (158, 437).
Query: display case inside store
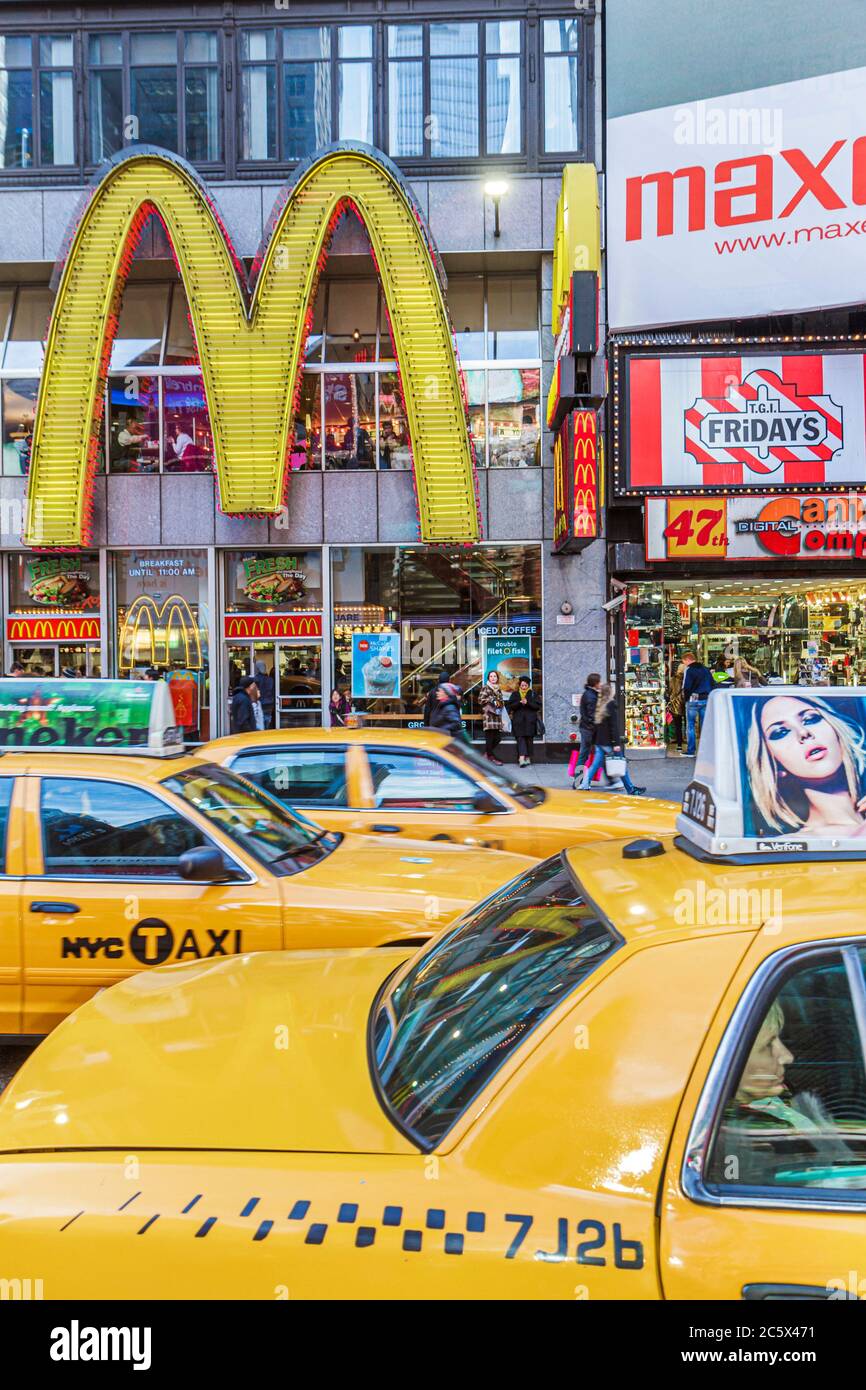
(644, 667)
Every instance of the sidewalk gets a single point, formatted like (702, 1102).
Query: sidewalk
(667, 777)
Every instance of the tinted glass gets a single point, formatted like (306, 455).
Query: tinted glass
(264, 828)
(300, 776)
(6, 785)
(795, 1112)
(405, 110)
(446, 1026)
(413, 782)
(94, 828)
(105, 97)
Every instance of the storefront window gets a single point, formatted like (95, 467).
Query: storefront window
(350, 420)
(162, 624)
(54, 602)
(403, 615)
(133, 424)
(188, 439)
(273, 581)
(19, 414)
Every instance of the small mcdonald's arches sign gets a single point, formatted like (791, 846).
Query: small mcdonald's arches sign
(273, 625)
(577, 474)
(52, 629)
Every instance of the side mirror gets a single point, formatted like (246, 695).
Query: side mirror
(202, 865)
(485, 804)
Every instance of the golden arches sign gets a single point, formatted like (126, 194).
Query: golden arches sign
(160, 620)
(250, 345)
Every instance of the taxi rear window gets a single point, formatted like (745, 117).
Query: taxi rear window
(443, 1029)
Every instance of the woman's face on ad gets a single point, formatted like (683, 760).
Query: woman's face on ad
(800, 739)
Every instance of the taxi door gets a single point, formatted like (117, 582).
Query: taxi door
(11, 870)
(103, 896)
(765, 1191)
(426, 795)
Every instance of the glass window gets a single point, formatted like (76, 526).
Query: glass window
(162, 622)
(56, 100)
(180, 349)
(453, 90)
(448, 1024)
(201, 96)
(140, 327)
(350, 420)
(503, 114)
(512, 316)
(288, 581)
(306, 91)
(412, 782)
(105, 95)
(16, 102)
(305, 777)
(395, 447)
(19, 415)
(466, 308)
(307, 443)
(352, 307)
(795, 1113)
(513, 417)
(405, 91)
(133, 424)
(6, 786)
(562, 113)
(29, 328)
(188, 437)
(258, 95)
(476, 401)
(260, 824)
(355, 82)
(153, 88)
(99, 829)
(67, 583)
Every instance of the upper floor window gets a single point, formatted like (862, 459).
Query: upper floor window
(37, 101)
(562, 87)
(302, 88)
(168, 83)
(454, 89)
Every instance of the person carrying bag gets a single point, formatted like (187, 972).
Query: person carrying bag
(608, 750)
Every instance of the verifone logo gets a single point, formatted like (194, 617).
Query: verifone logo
(733, 199)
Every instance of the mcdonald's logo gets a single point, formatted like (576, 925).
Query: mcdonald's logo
(49, 629)
(273, 625)
(250, 339)
(159, 628)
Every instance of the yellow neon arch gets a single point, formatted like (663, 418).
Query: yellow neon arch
(251, 354)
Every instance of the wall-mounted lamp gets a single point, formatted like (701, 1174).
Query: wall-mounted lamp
(495, 190)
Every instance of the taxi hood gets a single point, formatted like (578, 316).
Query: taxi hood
(262, 1052)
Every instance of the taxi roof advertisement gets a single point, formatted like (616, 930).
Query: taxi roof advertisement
(736, 163)
(93, 716)
(780, 772)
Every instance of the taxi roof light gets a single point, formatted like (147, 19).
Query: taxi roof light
(89, 716)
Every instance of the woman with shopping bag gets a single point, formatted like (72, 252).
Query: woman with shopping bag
(607, 747)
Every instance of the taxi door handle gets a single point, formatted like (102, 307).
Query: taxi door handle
(68, 908)
(792, 1292)
(387, 829)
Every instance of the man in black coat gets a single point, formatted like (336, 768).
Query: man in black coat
(586, 723)
(445, 713)
(243, 717)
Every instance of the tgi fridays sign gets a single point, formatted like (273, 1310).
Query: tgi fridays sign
(728, 422)
(760, 527)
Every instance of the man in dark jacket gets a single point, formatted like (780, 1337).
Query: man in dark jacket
(445, 713)
(431, 701)
(586, 723)
(697, 684)
(243, 716)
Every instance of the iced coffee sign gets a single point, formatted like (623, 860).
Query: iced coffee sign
(730, 422)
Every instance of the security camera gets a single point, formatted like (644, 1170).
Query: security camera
(614, 603)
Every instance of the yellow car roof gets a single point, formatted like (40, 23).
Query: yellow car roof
(139, 768)
(407, 738)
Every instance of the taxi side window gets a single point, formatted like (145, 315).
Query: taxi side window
(413, 782)
(98, 829)
(794, 1114)
(301, 777)
(6, 786)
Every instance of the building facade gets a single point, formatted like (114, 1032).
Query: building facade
(479, 114)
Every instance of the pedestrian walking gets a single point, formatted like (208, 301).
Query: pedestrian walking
(243, 708)
(524, 712)
(697, 684)
(339, 709)
(607, 742)
(267, 692)
(676, 705)
(586, 721)
(445, 714)
(492, 702)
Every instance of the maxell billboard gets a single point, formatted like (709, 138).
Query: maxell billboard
(742, 197)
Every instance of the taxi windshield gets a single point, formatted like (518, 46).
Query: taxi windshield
(526, 795)
(444, 1028)
(281, 840)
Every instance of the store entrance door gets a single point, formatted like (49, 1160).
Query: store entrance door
(290, 680)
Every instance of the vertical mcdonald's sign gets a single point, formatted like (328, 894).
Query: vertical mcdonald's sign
(576, 482)
(250, 337)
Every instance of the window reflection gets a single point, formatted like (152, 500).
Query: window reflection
(153, 88)
(188, 439)
(201, 100)
(56, 100)
(513, 416)
(105, 95)
(350, 420)
(394, 445)
(16, 110)
(307, 93)
(453, 90)
(561, 84)
(307, 446)
(503, 87)
(19, 413)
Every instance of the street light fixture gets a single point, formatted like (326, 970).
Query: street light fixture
(495, 190)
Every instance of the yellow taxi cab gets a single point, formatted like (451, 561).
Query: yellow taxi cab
(638, 1072)
(115, 861)
(427, 785)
